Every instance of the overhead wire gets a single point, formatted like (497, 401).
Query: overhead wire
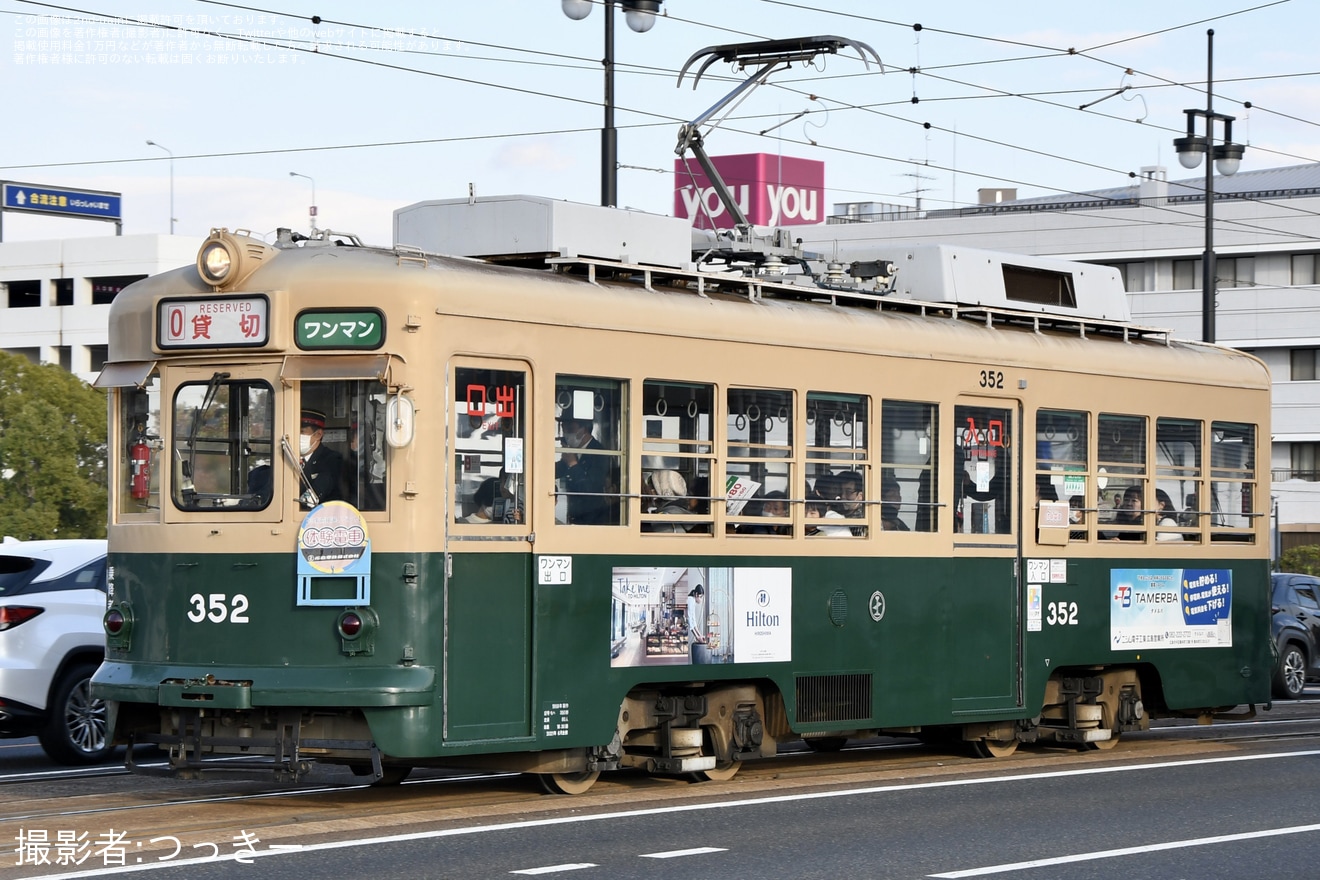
(640, 69)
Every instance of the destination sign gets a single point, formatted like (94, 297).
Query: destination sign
(213, 322)
(356, 328)
(68, 202)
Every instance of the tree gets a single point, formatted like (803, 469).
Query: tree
(1303, 559)
(52, 453)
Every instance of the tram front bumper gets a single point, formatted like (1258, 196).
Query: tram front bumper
(245, 688)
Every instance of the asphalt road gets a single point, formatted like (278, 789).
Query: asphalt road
(1229, 801)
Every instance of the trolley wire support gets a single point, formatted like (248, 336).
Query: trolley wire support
(766, 56)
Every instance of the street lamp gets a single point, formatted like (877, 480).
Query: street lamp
(311, 212)
(1227, 156)
(640, 15)
(167, 149)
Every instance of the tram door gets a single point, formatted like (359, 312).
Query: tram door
(488, 593)
(985, 627)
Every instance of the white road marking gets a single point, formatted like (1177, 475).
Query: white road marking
(677, 853)
(1125, 851)
(680, 808)
(554, 869)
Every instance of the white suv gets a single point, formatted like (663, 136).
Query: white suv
(52, 599)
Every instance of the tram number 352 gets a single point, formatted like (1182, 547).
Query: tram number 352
(1062, 614)
(217, 608)
(992, 379)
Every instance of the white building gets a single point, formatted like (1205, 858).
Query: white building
(55, 295)
(1267, 246)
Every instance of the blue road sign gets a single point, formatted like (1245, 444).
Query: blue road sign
(67, 202)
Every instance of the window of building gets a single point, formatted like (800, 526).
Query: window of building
(24, 294)
(909, 465)
(1133, 275)
(1303, 269)
(758, 475)
(104, 290)
(590, 451)
(1186, 274)
(1305, 462)
(677, 456)
(838, 464)
(1302, 362)
(63, 291)
(1235, 272)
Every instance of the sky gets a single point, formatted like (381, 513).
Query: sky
(384, 104)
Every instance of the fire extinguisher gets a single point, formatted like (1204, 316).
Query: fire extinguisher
(139, 459)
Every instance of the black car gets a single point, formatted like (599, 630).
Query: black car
(1296, 609)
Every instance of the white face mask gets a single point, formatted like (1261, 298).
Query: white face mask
(304, 444)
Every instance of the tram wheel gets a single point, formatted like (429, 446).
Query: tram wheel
(826, 743)
(718, 773)
(569, 783)
(1104, 745)
(992, 748)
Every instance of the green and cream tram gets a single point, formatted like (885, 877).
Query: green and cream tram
(591, 512)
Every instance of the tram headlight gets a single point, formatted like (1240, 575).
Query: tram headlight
(227, 258)
(215, 262)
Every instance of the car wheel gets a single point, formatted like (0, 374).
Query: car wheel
(75, 731)
(1290, 676)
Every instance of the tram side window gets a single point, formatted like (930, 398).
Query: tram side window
(1177, 479)
(1062, 473)
(839, 489)
(489, 454)
(1232, 482)
(677, 453)
(1121, 477)
(590, 447)
(908, 466)
(758, 477)
(222, 433)
(984, 464)
(140, 446)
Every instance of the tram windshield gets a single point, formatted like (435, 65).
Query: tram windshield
(222, 439)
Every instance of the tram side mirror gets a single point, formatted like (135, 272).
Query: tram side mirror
(399, 421)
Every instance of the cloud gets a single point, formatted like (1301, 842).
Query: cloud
(538, 155)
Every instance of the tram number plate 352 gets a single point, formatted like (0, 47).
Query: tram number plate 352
(217, 608)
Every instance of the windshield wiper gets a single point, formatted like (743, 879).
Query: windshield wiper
(212, 389)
